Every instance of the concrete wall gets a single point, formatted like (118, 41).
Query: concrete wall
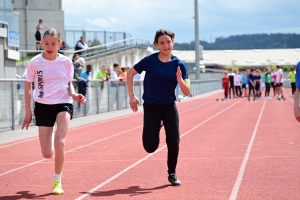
(48, 10)
(7, 57)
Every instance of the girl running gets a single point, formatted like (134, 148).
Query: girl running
(163, 72)
(52, 74)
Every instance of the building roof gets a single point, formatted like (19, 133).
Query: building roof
(243, 58)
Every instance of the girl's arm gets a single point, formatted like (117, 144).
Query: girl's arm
(296, 105)
(77, 97)
(28, 113)
(133, 100)
(183, 83)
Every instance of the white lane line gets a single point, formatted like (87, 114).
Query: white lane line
(146, 157)
(102, 139)
(80, 147)
(26, 140)
(239, 178)
(92, 124)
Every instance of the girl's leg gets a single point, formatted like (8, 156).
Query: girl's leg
(46, 141)
(171, 124)
(152, 126)
(62, 120)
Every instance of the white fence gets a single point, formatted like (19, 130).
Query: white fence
(113, 96)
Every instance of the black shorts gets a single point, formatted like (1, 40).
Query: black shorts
(38, 36)
(257, 86)
(45, 114)
(278, 84)
(243, 86)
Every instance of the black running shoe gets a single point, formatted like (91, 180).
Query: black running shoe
(173, 179)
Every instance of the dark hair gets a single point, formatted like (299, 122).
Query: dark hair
(52, 32)
(161, 32)
(116, 65)
(74, 56)
(40, 20)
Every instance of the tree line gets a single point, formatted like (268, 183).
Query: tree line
(247, 41)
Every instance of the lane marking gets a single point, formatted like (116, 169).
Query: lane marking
(26, 140)
(102, 139)
(92, 124)
(146, 157)
(239, 178)
(80, 147)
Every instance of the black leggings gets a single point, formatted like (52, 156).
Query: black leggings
(268, 87)
(251, 89)
(168, 114)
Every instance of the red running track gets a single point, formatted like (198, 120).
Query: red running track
(234, 149)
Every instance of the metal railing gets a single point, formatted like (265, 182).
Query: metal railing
(112, 96)
(93, 52)
(93, 37)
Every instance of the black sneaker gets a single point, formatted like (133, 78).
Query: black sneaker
(173, 179)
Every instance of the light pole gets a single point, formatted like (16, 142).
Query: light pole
(197, 52)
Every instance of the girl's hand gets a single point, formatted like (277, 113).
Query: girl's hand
(79, 98)
(179, 75)
(27, 120)
(134, 102)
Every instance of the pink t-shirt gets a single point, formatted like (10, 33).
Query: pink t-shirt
(51, 78)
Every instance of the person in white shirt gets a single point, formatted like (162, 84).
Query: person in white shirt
(53, 94)
(278, 82)
(237, 83)
(114, 83)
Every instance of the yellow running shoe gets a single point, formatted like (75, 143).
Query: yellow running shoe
(57, 188)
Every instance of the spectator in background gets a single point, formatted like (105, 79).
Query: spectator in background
(114, 83)
(63, 47)
(84, 79)
(237, 84)
(80, 44)
(226, 85)
(101, 75)
(292, 77)
(108, 73)
(75, 57)
(38, 35)
(83, 85)
(231, 87)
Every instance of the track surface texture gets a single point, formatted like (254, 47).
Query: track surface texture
(233, 149)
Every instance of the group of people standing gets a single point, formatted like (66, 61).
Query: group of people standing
(254, 83)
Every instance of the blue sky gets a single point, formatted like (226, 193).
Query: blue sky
(217, 18)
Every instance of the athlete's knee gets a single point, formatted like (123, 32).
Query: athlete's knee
(59, 145)
(47, 154)
(150, 148)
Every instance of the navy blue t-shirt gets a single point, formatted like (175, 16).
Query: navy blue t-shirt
(160, 79)
(298, 75)
(251, 77)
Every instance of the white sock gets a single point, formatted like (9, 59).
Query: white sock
(57, 177)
